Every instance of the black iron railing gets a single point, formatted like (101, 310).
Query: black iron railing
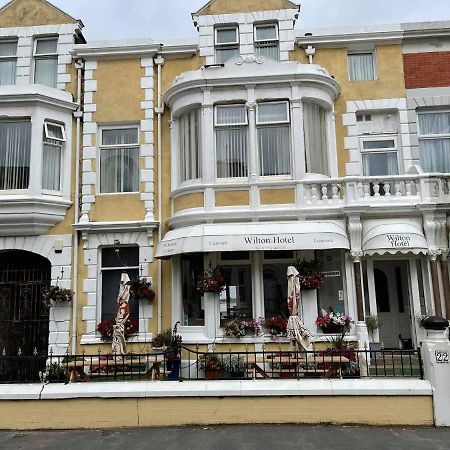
(190, 364)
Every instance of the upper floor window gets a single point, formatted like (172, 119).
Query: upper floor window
(226, 43)
(267, 41)
(315, 132)
(8, 62)
(361, 66)
(434, 141)
(46, 61)
(15, 149)
(54, 138)
(379, 156)
(190, 147)
(119, 160)
(231, 141)
(274, 138)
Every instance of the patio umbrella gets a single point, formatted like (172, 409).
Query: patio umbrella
(122, 312)
(296, 331)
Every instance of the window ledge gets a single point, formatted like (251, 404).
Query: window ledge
(28, 215)
(89, 339)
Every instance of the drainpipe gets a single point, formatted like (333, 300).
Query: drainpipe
(159, 61)
(78, 114)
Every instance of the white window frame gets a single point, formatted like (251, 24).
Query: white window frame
(385, 138)
(10, 57)
(225, 126)
(60, 144)
(262, 43)
(374, 63)
(231, 45)
(40, 56)
(199, 150)
(111, 147)
(287, 123)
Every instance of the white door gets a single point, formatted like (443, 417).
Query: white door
(391, 289)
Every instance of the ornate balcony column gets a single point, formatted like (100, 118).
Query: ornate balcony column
(356, 256)
(432, 256)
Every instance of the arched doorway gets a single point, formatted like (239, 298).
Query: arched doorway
(24, 319)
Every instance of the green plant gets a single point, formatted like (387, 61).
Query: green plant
(57, 295)
(235, 364)
(210, 361)
(372, 324)
(162, 339)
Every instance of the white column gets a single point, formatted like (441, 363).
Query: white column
(257, 284)
(436, 364)
(252, 134)
(372, 296)
(211, 302)
(297, 132)
(208, 144)
(37, 123)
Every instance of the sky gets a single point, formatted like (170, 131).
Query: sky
(171, 19)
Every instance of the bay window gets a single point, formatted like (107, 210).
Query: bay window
(46, 61)
(434, 141)
(267, 41)
(54, 138)
(231, 141)
(226, 43)
(190, 149)
(8, 62)
(274, 138)
(315, 132)
(119, 160)
(15, 149)
(361, 66)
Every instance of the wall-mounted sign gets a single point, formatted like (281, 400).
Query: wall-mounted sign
(441, 356)
(331, 274)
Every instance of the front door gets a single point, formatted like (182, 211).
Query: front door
(391, 289)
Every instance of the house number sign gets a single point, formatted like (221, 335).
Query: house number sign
(441, 356)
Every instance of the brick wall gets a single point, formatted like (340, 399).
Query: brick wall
(427, 69)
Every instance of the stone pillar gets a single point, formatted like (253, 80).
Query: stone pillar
(445, 283)
(435, 352)
(356, 256)
(435, 284)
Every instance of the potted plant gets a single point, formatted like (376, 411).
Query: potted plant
(54, 374)
(211, 364)
(173, 355)
(211, 281)
(373, 324)
(276, 326)
(236, 366)
(310, 275)
(332, 323)
(162, 340)
(56, 295)
(240, 327)
(106, 329)
(141, 288)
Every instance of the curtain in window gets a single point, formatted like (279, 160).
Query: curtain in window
(231, 142)
(435, 152)
(315, 130)
(51, 167)
(119, 170)
(361, 67)
(224, 54)
(269, 50)
(45, 71)
(274, 150)
(7, 72)
(15, 147)
(190, 150)
(379, 164)
(122, 136)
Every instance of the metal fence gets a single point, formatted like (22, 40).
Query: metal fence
(184, 363)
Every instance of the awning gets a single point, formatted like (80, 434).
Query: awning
(232, 237)
(393, 236)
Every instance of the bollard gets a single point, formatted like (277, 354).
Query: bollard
(436, 364)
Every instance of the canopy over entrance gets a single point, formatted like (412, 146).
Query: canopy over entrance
(231, 237)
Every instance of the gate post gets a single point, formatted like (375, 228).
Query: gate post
(436, 364)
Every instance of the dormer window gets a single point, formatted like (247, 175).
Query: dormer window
(46, 61)
(267, 42)
(226, 43)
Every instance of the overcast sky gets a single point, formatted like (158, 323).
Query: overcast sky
(162, 19)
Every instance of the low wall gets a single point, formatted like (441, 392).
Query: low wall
(146, 404)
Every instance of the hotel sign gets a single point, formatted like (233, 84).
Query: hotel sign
(398, 240)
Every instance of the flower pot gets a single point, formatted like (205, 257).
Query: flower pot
(288, 375)
(174, 366)
(375, 349)
(332, 328)
(212, 374)
(237, 375)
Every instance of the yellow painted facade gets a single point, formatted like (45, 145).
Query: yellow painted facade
(188, 201)
(153, 412)
(238, 6)
(277, 196)
(232, 198)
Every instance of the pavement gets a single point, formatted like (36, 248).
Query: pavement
(257, 437)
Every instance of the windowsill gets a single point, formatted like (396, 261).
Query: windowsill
(103, 194)
(89, 339)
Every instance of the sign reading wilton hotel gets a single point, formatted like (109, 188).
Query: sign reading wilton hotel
(399, 240)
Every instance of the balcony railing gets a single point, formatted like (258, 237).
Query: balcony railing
(185, 363)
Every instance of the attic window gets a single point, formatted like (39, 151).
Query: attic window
(226, 43)
(267, 41)
(46, 61)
